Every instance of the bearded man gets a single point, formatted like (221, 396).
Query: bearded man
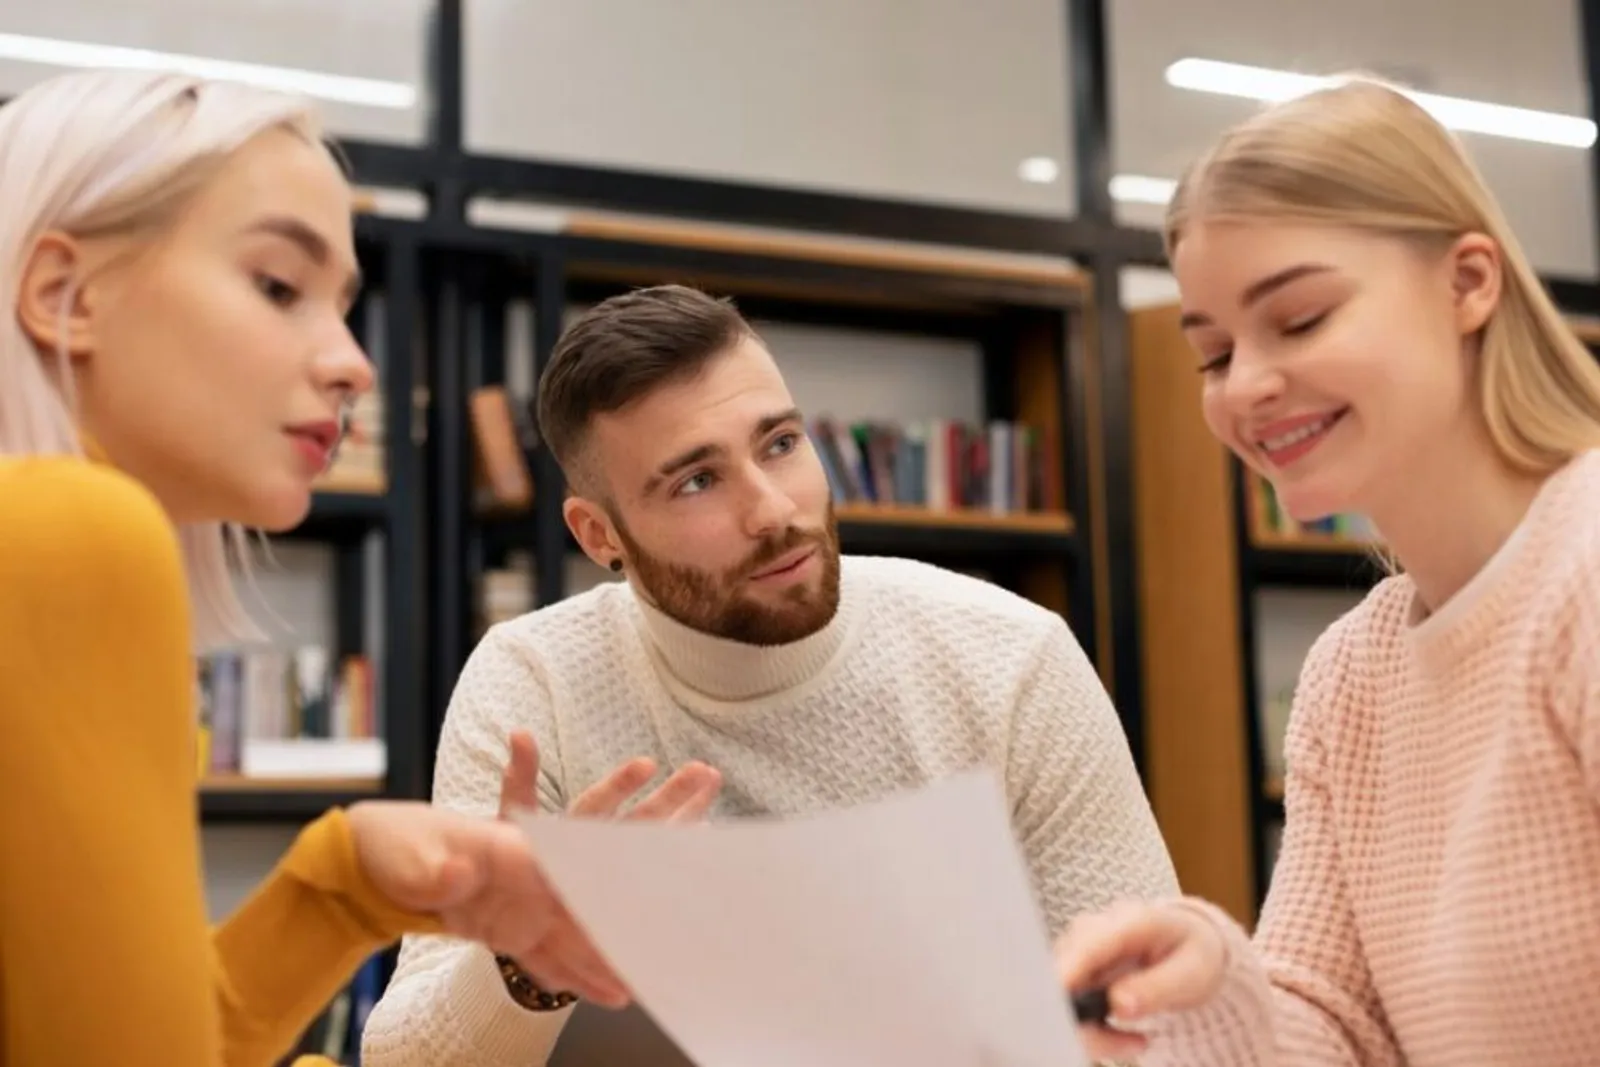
(745, 658)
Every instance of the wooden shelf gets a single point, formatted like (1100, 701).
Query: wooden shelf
(233, 783)
(849, 252)
(351, 484)
(1587, 329)
(1273, 541)
(887, 529)
(236, 798)
(1055, 522)
(1335, 565)
(794, 271)
(890, 530)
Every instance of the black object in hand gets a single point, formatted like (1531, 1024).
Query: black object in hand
(1091, 1006)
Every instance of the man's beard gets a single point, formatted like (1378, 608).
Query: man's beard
(715, 604)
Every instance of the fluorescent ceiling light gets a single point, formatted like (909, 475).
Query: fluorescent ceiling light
(1040, 169)
(1470, 116)
(1140, 189)
(335, 87)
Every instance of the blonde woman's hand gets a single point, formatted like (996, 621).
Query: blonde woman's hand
(480, 878)
(1150, 958)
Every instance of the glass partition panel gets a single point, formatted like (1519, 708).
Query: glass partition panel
(1526, 55)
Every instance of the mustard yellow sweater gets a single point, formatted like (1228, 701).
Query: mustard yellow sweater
(106, 956)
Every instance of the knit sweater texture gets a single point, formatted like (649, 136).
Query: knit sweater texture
(1436, 901)
(921, 674)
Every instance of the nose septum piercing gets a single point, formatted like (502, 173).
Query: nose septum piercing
(346, 416)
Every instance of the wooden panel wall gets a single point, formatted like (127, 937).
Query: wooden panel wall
(1189, 609)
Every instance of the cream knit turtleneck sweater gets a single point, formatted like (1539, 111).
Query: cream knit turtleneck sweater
(922, 673)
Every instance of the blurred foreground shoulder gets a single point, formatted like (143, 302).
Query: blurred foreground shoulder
(83, 534)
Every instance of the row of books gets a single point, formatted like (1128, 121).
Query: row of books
(941, 464)
(1271, 521)
(288, 713)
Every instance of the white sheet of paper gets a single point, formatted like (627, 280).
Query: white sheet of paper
(897, 934)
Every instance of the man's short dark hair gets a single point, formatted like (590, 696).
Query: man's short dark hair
(623, 349)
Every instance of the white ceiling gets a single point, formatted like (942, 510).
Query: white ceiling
(938, 100)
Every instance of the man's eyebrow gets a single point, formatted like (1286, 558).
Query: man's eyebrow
(768, 423)
(701, 453)
(682, 461)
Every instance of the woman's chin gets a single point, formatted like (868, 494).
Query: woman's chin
(277, 510)
(1310, 503)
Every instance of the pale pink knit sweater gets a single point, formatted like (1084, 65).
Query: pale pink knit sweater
(1436, 902)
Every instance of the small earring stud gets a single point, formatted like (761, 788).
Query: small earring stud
(616, 565)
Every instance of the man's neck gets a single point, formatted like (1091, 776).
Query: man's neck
(732, 671)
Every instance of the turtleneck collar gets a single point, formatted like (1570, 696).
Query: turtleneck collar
(708, 670)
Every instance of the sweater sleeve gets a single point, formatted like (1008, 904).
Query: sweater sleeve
(1301, 994)
(297, 940)
(1084, 821)
(97, 809)
(446, 1005)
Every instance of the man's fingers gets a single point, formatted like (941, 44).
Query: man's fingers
(696, 807)
(519, 786)
(692, 786)
(606, 796)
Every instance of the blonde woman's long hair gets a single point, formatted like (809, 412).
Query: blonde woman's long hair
(101, 152)
(1362, 154)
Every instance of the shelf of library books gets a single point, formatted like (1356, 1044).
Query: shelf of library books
(1338, 552)
(896, 487)
(286, 733)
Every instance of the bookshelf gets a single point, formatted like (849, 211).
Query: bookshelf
(1021, 315)
(299, 724)
(1232, 595)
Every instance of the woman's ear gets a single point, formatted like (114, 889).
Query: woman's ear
(1476, 280)
(51, 303)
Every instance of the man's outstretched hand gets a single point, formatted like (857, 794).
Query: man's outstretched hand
(686, 795)
(562, 958)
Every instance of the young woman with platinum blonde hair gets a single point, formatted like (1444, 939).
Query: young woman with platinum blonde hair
(177, 258)
(1370, 337)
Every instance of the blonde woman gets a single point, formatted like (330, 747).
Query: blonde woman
(1370, 337)
(177, 257)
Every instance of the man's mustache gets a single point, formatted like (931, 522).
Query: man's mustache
(772, 550)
